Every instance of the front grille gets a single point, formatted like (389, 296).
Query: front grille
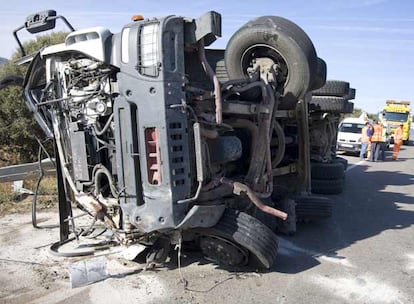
(177, 154)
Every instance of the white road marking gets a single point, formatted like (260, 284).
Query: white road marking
(289, 249)
(350, 167)
(337, 260)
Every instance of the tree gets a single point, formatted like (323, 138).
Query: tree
(356, 113)
(18, 128)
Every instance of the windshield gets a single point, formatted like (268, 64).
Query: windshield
(392, 116)
(351, 128)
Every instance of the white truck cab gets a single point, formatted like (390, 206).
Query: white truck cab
(349, 134)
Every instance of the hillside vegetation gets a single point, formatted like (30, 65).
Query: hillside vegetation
(18, 128)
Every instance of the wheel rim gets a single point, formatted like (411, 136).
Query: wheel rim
(222, 251)
(263, 51)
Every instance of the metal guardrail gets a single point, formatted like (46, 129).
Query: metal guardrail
(24, 171)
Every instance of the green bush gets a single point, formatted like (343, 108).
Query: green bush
(18, 127)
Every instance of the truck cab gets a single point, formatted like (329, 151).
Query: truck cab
(166, 141)
(394, 114)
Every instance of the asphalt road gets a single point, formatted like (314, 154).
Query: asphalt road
(363, 254)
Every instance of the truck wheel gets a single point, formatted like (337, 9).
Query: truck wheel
(268, 41)
(349, 107)
(334, 88)
(327, 186)
(313, 208)
(238, 239)
(320, 76)
(351, 94)
(341, 160)
(328, 104)
(334, 170)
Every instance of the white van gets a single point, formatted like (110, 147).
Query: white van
(349, 134)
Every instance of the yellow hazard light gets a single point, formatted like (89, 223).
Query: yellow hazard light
(137, 18)
(394, 102)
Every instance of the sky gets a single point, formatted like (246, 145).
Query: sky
(369, 43)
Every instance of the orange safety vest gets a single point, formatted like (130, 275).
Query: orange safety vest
(398, 135)
(365, 137)
(377, 136)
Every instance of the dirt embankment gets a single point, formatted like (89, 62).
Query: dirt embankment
(15, 202)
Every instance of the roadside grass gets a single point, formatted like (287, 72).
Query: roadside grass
(12, 202)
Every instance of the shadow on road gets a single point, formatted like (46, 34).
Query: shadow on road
(358, 214)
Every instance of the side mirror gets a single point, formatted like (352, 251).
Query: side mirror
(40, 22)
(36, 23)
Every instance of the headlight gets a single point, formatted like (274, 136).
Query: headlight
(148, 54)
(125, 45)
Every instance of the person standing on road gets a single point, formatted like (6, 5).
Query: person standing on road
(398, 138)
(383, 144)
(376, 142)
(365, 136)
(370, 131)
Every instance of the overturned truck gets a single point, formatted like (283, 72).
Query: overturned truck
(168, 142)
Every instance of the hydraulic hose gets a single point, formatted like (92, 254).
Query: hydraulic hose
(239, 188)
(108, 123)
(99, 170)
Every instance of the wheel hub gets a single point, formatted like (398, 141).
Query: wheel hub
(222, 251)
(265, 62)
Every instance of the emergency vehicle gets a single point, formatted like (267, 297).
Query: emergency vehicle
(394, 114)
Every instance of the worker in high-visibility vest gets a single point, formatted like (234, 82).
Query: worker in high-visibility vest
(376, 140)
(370, 132)
(398, 139)
(365, 137)
(383, 142)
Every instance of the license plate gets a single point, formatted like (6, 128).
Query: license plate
(346, 145)
(391, 146)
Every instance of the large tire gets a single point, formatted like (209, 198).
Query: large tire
(334, 170)
(285, 44)
(246, 232)
(327, 186)
(329, 104)
(342, 161)
(334, 88)
(349, 107)
(320, 76)
(351, 94)
(313, 208)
